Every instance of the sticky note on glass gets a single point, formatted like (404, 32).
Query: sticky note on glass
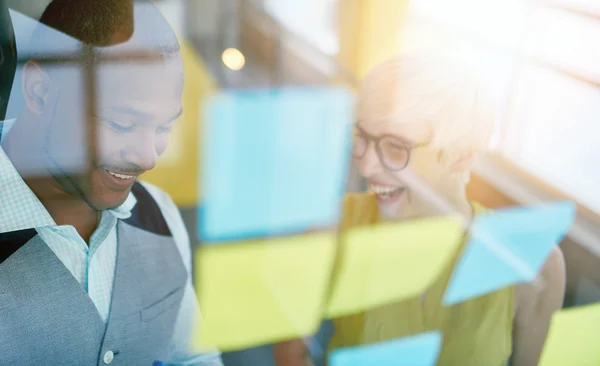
(274, 161)
(573, 338)
(418, 350)
(262, 291)
(507, 247)
(384, 263)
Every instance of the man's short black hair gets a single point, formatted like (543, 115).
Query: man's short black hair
(92, 22)
(96, 23)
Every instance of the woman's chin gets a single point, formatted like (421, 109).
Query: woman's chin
(392, 208)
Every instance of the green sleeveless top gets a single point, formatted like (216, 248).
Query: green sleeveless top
(475, 333)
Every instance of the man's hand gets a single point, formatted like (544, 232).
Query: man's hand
(291, 353)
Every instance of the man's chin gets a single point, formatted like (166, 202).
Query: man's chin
(112, 206)
(107, 201)
(97, 196)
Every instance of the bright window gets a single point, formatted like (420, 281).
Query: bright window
(543, 61)
(313, 20)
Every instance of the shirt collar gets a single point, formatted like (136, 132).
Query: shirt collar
(124, 211)
(20, 207)
(5, 126)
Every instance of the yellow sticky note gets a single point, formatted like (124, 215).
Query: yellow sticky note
(573, 338)
(262, 291)
(381, 264)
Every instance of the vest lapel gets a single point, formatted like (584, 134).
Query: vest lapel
(149, 284)
(44, 310)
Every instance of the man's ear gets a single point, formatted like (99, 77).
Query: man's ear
(35, 85)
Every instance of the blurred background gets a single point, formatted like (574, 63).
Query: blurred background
(541, 57)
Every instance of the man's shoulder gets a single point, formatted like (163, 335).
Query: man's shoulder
(169, 209)
(154, 210)
(173, 219)
(162, 198)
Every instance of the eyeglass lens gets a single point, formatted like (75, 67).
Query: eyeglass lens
(393, 153)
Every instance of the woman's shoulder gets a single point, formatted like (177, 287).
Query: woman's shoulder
(535, 302)
(549, 282)
(546, 287)
(545, 292)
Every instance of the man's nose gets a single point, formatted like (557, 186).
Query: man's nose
(142, 152)
(369, 165)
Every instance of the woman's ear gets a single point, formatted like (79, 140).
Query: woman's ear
(462, 162)
(35, 85)
(457, 161)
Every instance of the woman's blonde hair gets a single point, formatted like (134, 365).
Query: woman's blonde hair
(446, 94)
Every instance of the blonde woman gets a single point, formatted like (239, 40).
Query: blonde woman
(421, 122)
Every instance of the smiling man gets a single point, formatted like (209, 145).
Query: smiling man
(95, 267)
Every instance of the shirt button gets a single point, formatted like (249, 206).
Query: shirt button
(108, 357)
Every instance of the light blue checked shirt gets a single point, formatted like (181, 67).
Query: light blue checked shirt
(94, 265)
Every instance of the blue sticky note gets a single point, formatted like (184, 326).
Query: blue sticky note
(507, 247)
(274, 161)
(418, 350)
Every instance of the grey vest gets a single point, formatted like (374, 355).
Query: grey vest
(46, 318)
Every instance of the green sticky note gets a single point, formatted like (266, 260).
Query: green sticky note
(262, 291)
(381, 264)
(573, 338)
